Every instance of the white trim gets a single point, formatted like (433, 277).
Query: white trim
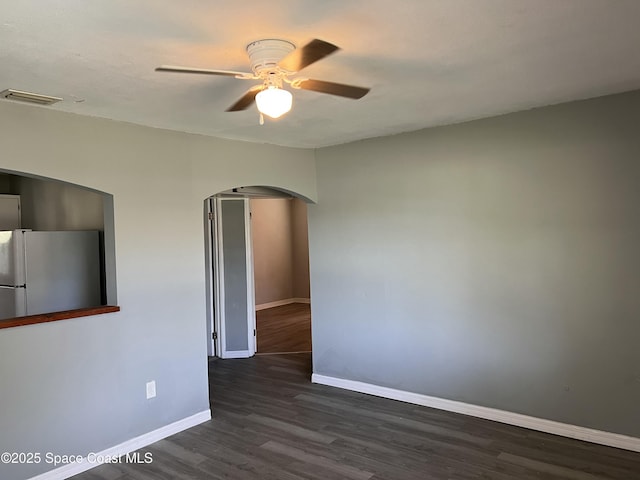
(279, 303)
(237, 354)
(219, 305)
(549, 426)
(209, 226)
(251, 294)
(124, 448)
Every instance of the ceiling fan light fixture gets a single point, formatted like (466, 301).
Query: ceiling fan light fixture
(274, 102)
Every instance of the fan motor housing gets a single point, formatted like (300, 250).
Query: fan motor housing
(264, 55)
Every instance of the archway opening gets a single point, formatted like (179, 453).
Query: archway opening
(65, 234)
(257, 272)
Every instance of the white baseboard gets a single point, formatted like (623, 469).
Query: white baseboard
(279, 303)
(237, 354)
(124, 448)
(548, 426)
(301, 300)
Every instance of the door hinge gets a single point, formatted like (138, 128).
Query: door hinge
(214, 335)
(210, 215)
(254, 332)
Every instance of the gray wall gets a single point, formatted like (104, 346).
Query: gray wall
(51, 205)
(494, 262)
(300, 248)
(280, 249)
(272, 249)
(78, 386)
(5, 183)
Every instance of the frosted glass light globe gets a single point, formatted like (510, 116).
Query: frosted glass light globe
(274, 102)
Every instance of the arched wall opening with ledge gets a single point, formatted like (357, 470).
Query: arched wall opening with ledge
(68, 230)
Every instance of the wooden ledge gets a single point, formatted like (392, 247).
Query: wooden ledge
(55, 316)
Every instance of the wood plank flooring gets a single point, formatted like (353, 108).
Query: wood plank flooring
(270, 422)
(284, 329)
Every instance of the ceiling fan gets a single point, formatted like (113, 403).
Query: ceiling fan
(273, 62)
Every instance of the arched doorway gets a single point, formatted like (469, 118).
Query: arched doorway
(257, 304)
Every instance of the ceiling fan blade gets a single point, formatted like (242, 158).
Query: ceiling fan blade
(246, 100)
(305, 56)
(339, 89)
(206, 71)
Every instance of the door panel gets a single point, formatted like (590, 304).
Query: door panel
(235, 307)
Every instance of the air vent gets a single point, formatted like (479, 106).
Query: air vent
(29, 97)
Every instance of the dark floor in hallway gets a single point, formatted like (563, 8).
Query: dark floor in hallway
(270, 422)
(284, 329)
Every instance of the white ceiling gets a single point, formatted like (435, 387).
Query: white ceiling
(428, 62)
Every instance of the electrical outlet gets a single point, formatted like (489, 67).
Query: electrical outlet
(151, 389)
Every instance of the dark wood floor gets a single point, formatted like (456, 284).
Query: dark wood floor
(270, 422)
(284, 329)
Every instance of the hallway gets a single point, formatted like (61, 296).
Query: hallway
(284, 329)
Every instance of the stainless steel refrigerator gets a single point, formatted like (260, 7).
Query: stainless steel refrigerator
(44, 272)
